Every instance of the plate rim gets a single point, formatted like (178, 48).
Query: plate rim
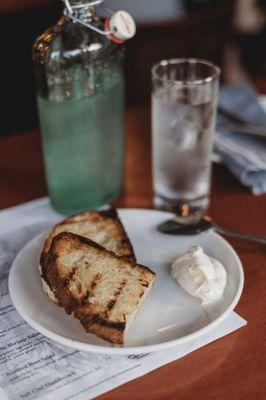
(117, 350)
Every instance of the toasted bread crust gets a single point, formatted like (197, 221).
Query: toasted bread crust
(104, 227)
(112, 334)
(98, 318)
(103, 219)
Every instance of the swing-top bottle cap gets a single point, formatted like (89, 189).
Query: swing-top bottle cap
(119, 27)
(122, 26)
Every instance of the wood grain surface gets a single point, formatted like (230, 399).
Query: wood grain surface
(234, 366)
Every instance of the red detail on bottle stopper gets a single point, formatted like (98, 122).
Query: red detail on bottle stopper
(111, 36)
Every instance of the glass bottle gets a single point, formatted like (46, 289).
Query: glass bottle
(80, 96)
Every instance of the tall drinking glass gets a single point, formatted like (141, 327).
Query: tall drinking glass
(184, 102)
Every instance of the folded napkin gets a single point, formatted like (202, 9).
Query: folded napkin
(243, 154)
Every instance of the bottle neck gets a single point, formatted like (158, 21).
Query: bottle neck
(82, 12)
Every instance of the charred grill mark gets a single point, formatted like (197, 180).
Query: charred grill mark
(110, 304)
(97, 319)
(95, 280)
(120, 288)
(85, 298)
(117, 293)
(145, 284)
(90, 320)
(72, 273)
(69, 277)
(89, 293)
(66, 282)
(93, 284)
(79, 288)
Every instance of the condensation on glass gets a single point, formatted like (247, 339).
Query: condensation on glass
(184, 100)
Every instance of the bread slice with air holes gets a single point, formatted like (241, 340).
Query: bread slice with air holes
(103, 227)
(103, 291)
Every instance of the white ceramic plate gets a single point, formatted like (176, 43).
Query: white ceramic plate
(168, 316)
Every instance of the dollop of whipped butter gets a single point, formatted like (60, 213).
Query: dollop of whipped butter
(200, 275)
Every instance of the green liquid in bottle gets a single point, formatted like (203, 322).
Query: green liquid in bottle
(83, 141)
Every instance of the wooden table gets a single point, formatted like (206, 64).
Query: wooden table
(234, 366)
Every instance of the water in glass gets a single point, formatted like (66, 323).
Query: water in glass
(182, 124)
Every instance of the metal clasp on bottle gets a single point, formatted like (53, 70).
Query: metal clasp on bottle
(120, 26)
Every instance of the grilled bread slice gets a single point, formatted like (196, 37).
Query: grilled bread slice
(103, 291)
(103, 227)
